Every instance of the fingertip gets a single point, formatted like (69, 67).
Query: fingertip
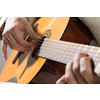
(5, 57)
(37, 37)
(61, 80)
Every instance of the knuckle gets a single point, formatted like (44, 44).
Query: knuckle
(83, 69)
(11, 29)
(20, 41)
(2, 34)
(76, 67)
(69, 63)
(5, 33)
(83, 60)
(77, 55)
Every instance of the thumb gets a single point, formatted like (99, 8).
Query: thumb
(61, 80)
(31, 33)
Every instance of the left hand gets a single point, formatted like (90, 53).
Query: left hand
(79, 71)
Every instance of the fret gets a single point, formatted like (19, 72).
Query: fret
(92, 55)
(79, 48)
(82, 48)
(71, 53)
(97, 59)
(65, 51)
(54, 50)
(96, 54)
(94, 50)
(59, 53)
(85, 48)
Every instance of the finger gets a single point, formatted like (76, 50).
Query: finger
(69, 75)
(15, 45)
(61, 80)
(32, 34)
(76, 68)
(17, 36)
(86, 69)
(4, 50)
(7, 40)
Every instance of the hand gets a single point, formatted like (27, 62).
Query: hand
(79, 71)
(12, 37)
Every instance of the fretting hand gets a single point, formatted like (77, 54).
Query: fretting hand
(79, 71)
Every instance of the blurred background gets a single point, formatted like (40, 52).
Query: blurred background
(2, 62)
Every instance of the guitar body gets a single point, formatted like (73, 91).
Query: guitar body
(26, 67)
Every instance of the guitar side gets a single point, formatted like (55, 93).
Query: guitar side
(27, 67)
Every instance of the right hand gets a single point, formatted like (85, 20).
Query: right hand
(12, 37)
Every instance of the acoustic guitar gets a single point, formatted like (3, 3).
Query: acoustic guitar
(33, 67)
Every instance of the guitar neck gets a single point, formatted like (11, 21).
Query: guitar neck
(64, 52)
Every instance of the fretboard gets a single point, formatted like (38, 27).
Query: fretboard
(64, 52)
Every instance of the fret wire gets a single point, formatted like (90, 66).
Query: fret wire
(51, 50)
(56, 46)
(57, 51)
(96, 54)
(60, 53)
(47, 51)
(52, 47)
(77, 51)
(71, 53)
(79, 48)
(85, 48)
(64, 51)
(97, 59)
(67, 52)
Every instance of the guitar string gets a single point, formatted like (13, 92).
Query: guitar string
(92, 48)
(71, 53)
(78, 48)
